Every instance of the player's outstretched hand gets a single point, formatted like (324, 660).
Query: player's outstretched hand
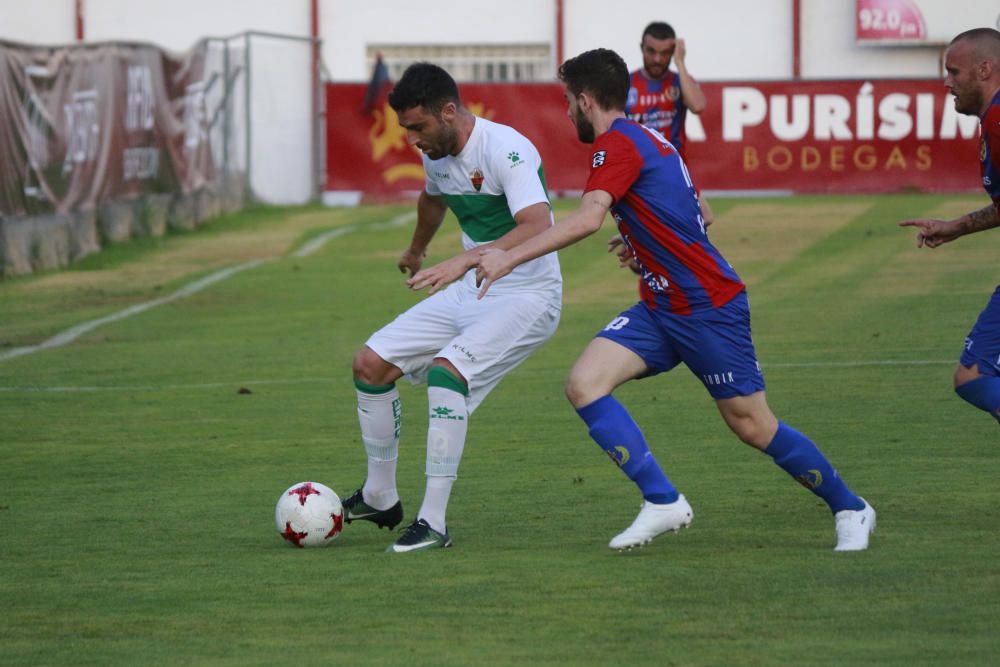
(494, 264)
(932, 233)
(625, 258)
(411, 261)
(440, 275)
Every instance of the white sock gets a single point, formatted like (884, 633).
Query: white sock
(448, 424)
(380, 416)
(436, 501)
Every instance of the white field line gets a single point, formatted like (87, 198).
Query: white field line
(71, 334)
(315, 380)
(856, 364)
(321, 240)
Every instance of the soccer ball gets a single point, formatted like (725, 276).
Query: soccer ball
(309, 514)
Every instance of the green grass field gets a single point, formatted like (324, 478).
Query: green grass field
(137, 484)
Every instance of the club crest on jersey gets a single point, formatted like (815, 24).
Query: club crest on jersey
(599, 159)
(477, 179)
(674, 93)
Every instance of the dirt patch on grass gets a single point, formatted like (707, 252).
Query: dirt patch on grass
(776, 233)
(757, 238)
(194, 252)
(914, 271)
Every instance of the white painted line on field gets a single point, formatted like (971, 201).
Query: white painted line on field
(321, 240)
(856, 364)
(235, 384)
(314, 380)
(75, 332)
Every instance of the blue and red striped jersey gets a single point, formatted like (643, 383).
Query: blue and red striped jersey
(989, 151)
(656, 208)
(659, 104)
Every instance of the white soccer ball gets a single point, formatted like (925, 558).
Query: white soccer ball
(309, 514)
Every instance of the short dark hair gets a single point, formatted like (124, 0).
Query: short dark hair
(424, 85)
(601, 73)
(659, 30)
(985, 42)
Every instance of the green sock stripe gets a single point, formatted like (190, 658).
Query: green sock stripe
(373, 388)
(442, 377)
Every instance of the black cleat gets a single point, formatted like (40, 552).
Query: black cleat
(419, 536)
(356, 509)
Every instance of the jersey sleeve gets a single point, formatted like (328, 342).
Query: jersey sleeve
(430, 187)
(615, 166)
(519, 169)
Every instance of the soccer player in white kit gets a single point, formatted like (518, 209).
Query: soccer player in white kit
(491, 177)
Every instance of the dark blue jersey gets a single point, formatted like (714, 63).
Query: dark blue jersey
(657, 211)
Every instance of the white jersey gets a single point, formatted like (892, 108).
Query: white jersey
(498, 173)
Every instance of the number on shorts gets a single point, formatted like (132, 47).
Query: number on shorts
(617, 324)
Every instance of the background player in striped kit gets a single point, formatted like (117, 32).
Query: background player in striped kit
(972, 63)
(693, 310)
(659, 97)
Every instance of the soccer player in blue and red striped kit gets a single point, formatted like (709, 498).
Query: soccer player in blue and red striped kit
(659, 97)
(972, 66)
(693, 310)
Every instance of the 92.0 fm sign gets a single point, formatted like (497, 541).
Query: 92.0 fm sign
(818, 136)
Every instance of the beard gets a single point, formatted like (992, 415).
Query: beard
(444, 143)
(969, 103)
(657, 71)
(584, 128)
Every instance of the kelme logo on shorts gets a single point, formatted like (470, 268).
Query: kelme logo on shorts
(514, 157)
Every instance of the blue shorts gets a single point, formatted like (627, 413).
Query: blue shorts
(982, 346)
(716, 345)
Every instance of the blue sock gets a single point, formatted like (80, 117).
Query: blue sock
(612, 427)
(984, 393)
(799, 457)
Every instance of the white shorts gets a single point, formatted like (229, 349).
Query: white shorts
(484, 339)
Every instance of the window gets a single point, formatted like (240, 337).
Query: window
(499, 62)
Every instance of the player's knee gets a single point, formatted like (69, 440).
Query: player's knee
(964, 375)
(372, 369)
(449, 367)
(752, 430)
(579, 392)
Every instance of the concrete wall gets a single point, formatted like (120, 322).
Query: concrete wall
(724, 38)
(727, 39)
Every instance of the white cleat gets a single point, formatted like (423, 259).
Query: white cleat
(854, 527)
(653, 520)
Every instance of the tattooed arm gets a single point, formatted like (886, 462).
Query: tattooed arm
(932, 233)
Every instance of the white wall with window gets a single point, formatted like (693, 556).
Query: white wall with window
(516, 39)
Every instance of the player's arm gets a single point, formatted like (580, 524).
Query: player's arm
(932, 233)
(496, 262)
(531, 221)
(694, 98)
(430, 214)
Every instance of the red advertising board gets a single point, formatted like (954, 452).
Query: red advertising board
(795, 136)
(368, 152)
